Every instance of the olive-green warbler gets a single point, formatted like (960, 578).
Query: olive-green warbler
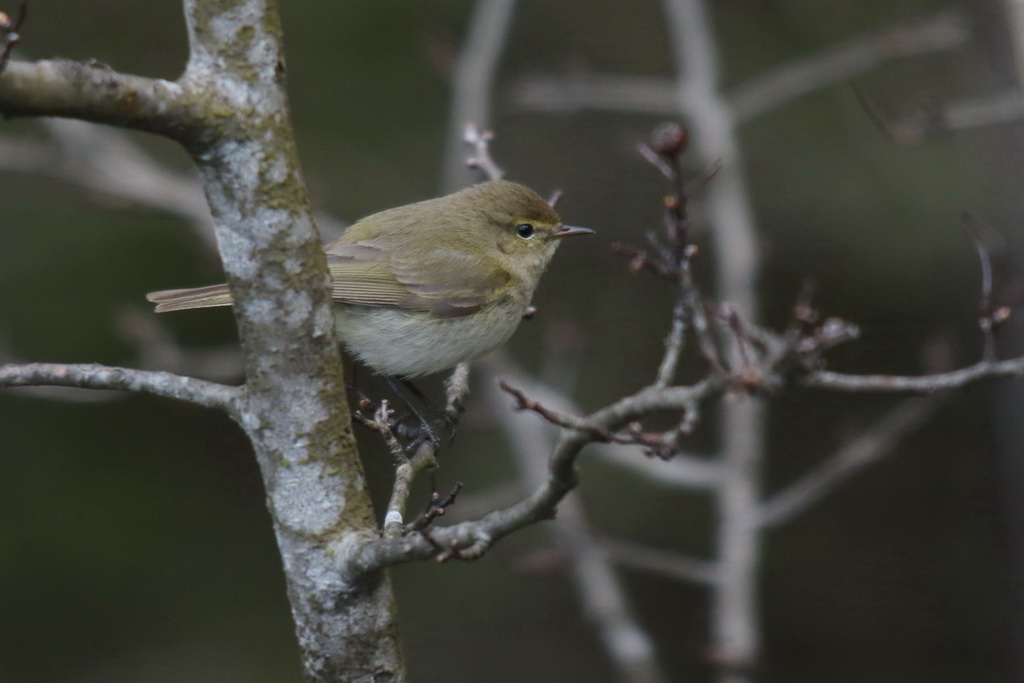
(423, 287)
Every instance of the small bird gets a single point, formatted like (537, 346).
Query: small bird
(423, 287)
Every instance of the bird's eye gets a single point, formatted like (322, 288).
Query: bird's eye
(524, 230)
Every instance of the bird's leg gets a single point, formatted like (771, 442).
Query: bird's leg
(448, 419)
(415, 391)
(426, 429)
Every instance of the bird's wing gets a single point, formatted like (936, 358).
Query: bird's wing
(445, 282)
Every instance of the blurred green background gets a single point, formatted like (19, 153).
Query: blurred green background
(134, 542)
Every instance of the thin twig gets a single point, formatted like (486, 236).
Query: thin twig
(924, 384)
(682, 471)
(985, 260)
(436, 507)
(656, 160)
(661, 562)
(664, 445)
(674, 341)
(989, 319)
(456, 389)
(669, 141)
(405, 473)
(564, 420)
(382, 422)
(481, 159)
(734, 631)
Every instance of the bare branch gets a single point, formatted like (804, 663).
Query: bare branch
(673, 342)
(436, 507)
(655, 160)
(669, 142)
(480, 141)
(943, 32)
(985, 260)
(473, 81)
(156, 351)
(662, 562)
(381, 422)
(868, 447)
(977, 112)
(924, 384)
(200, 392)
(106, 161)
(95, 92)
(600, 591)
(469, 540)
(564, 420)
(405, 473)
(605, 600)
(664, 445)
(456, 389)
(682, 471)
(733, 631)
(606, 92)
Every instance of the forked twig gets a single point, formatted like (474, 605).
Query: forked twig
(480, 141)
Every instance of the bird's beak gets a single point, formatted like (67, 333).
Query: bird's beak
(569, 231)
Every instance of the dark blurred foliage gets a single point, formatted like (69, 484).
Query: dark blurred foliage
(136, 546)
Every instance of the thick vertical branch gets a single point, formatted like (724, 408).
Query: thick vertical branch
(734, 621)
(472, 83)
(295, 411)
(230, 111)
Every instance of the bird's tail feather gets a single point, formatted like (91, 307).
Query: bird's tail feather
(183, 299)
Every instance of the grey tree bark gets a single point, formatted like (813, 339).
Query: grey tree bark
(230, 112)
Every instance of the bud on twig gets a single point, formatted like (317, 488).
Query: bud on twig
(670, 139)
